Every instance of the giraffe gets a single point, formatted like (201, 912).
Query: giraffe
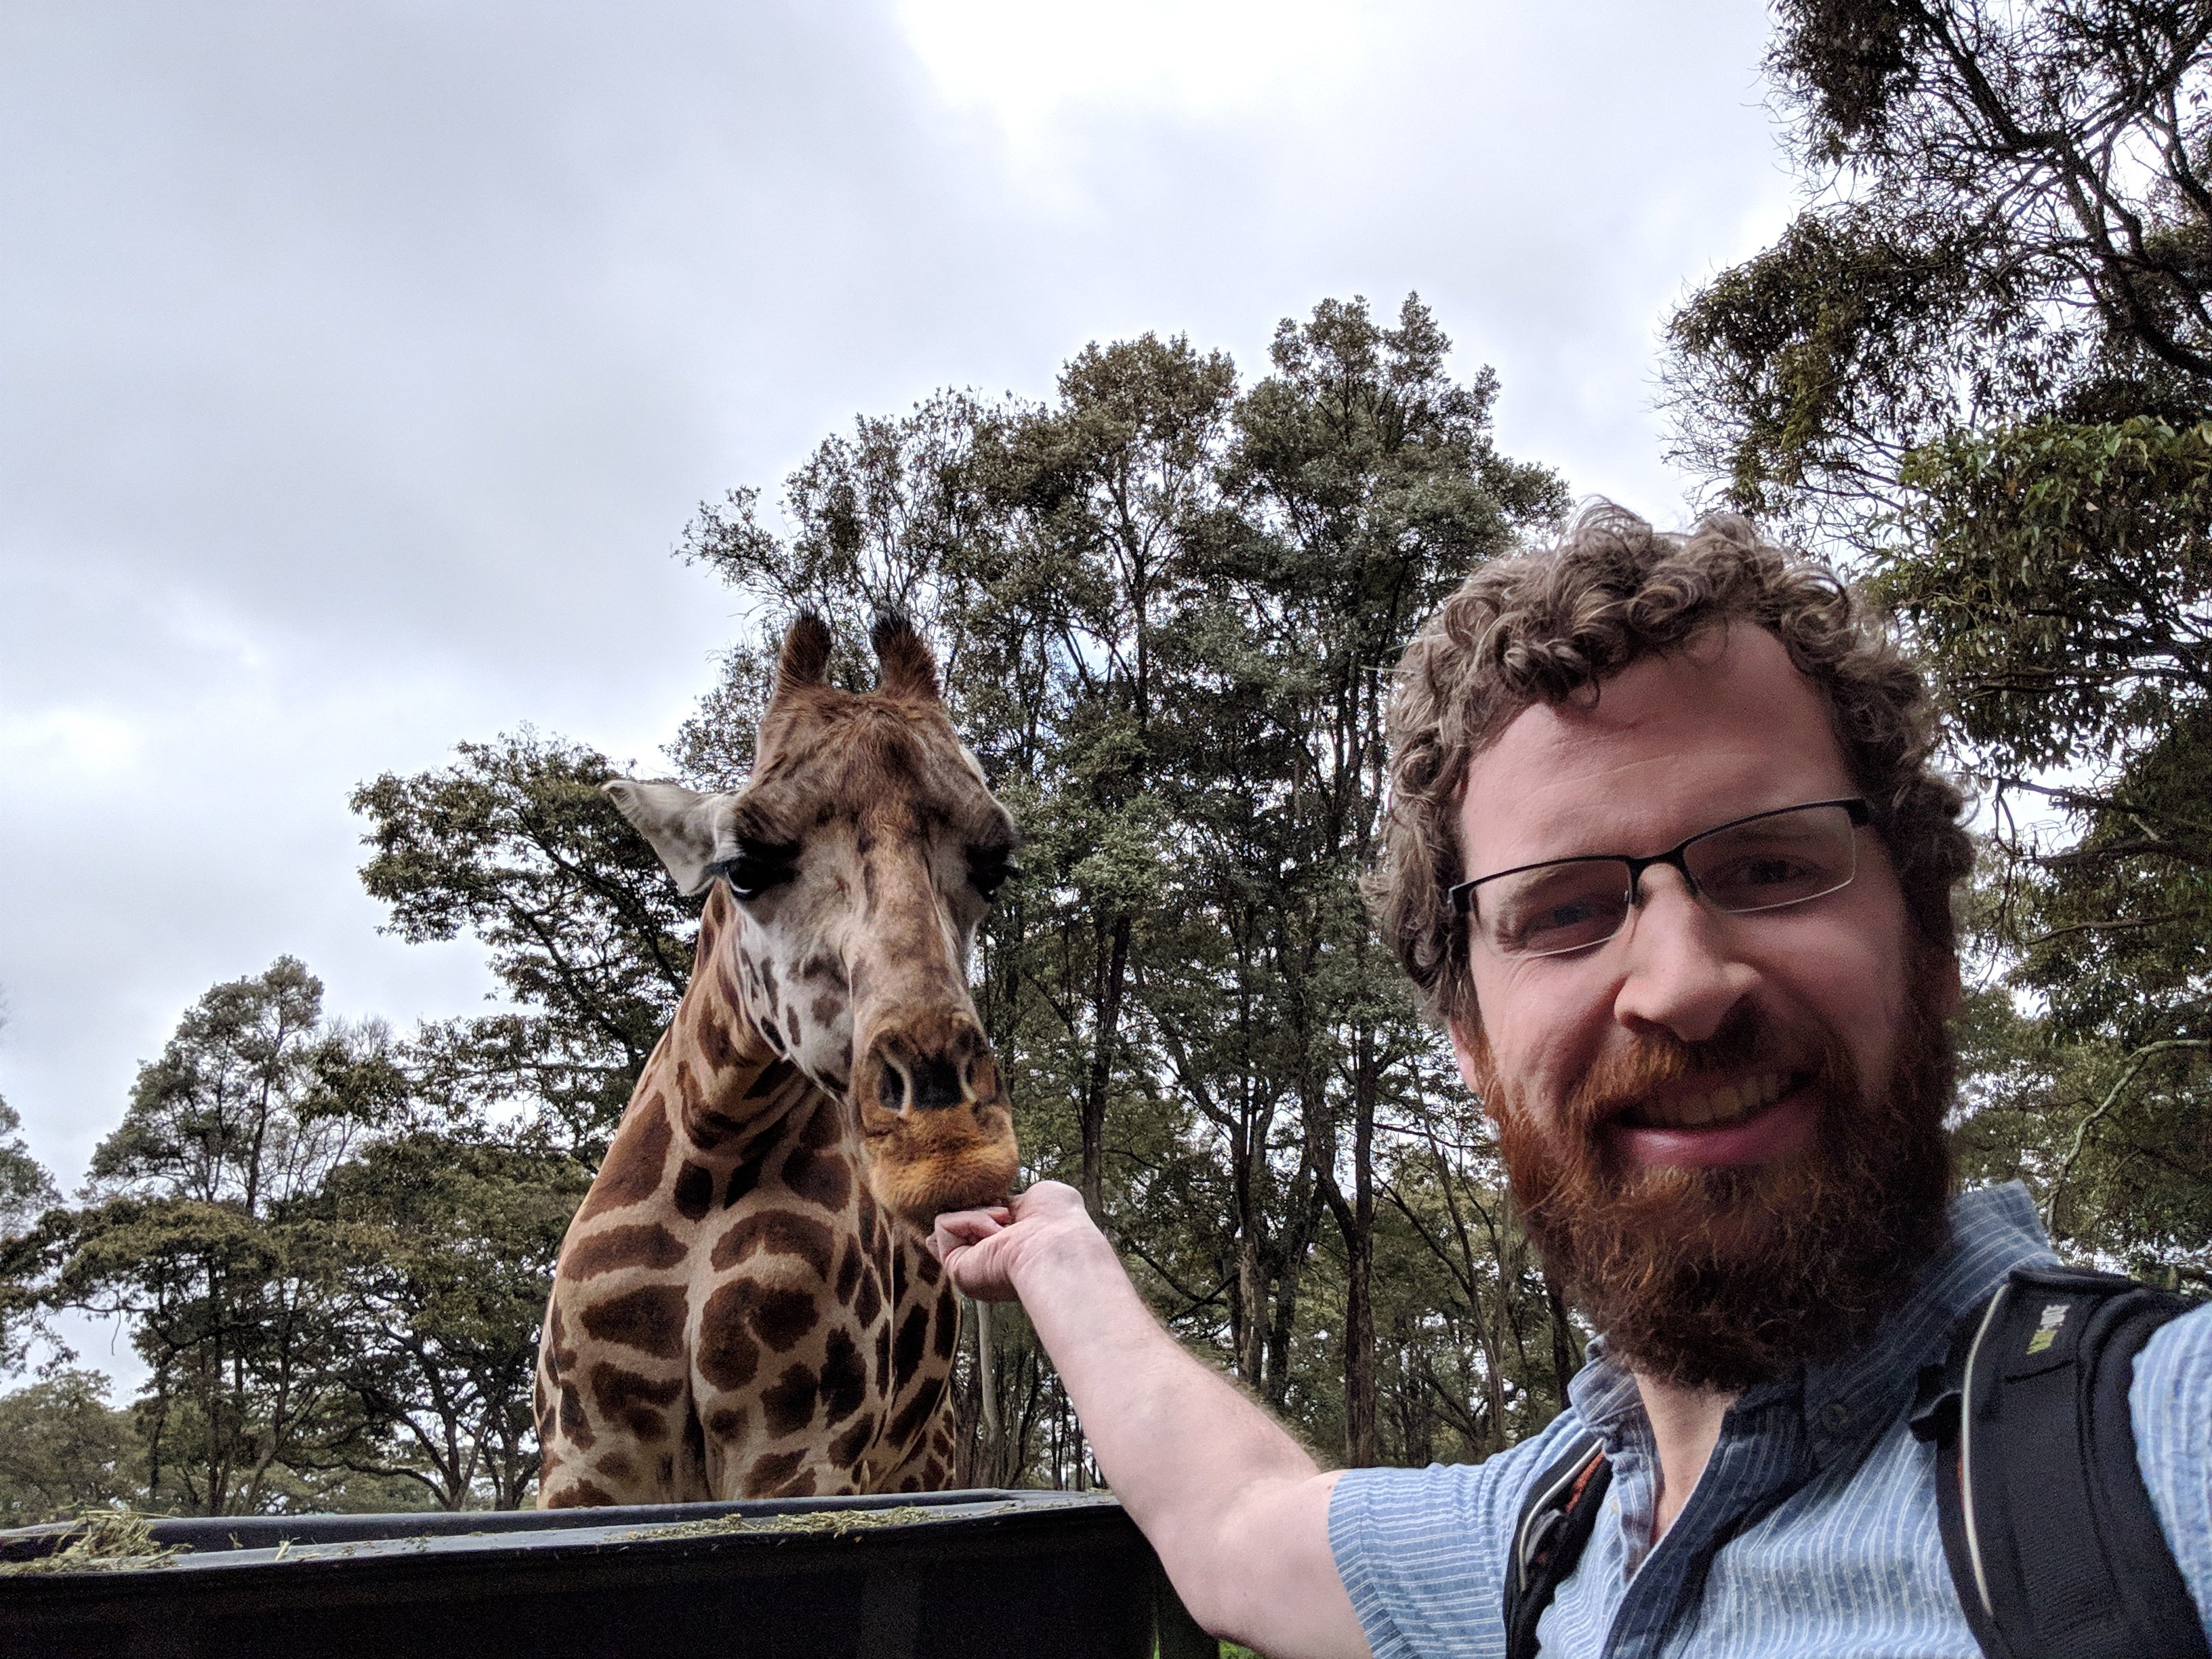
(743, 1306)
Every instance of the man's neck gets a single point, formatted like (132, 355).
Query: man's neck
(1685, 1424)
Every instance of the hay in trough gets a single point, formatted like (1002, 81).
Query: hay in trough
(103, 1540)
(834, 1522)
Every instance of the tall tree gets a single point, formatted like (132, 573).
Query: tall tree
(27, 1191)
(186, 1233)
(446, 1244)
(517, 845)
(1168, 606)
(64, 1450)
(1368, 475)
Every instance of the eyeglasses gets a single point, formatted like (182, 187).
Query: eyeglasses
(1763, 862)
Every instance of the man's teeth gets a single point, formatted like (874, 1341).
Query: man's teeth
(1728, 1104)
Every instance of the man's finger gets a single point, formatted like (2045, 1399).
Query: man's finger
(962, 1228)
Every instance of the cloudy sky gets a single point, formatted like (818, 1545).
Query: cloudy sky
(361, 364)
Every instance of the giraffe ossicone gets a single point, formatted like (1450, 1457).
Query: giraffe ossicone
(743, 1306)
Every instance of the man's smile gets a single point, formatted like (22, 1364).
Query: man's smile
(1756, 1118)
(1701, 1104)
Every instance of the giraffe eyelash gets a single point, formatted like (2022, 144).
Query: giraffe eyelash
(759, 866)
(989, 868)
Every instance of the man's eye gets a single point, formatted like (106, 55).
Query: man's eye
(759, 866)
(989, 869)
(1548, 928)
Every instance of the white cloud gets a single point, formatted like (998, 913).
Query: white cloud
(57, 746)
(1026, 62)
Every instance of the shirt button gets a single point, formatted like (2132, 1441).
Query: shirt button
(1837, 1418)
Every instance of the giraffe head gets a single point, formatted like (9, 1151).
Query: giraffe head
(860, 858)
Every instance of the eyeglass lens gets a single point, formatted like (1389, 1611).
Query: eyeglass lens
(1782, 857)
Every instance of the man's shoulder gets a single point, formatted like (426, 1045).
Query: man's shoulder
(2171, 1404)
(1496, 1484)
(1422, 1551)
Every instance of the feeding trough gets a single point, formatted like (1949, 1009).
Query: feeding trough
(921, 1577)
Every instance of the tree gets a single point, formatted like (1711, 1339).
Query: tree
(1371, 477)
(187, 1232)
(1981, 360)
(63, 1450)
(517, 844)
(2009, 222)
(27, 1191)
(446, 1244)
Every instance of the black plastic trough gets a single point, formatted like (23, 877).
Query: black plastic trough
(927, 1576)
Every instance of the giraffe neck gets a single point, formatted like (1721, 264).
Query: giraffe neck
(727, 1082)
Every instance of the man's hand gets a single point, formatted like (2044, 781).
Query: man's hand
(981, 1249)
(1235, 1508)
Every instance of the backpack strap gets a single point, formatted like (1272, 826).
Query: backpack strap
(1556, 1520)
(2053, 1545)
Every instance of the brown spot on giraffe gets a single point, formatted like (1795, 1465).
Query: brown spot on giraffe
(784, 1233)
(648, 1245)
(744, 1306)
(649, 1318)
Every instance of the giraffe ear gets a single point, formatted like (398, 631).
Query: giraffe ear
(690, 831)
(805, 659)
(909, 666)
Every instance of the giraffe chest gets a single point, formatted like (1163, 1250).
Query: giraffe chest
(763, 1312)
(808, 1331)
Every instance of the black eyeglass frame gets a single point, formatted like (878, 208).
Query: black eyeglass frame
(1461, 894)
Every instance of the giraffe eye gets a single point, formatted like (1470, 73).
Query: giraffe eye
(989, 868)
(759, 866)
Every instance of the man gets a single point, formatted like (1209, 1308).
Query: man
(1666, 855)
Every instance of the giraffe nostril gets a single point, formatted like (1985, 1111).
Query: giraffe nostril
(936, 1085)
(892, 1091)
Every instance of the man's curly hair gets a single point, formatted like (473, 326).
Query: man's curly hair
(1555, 625)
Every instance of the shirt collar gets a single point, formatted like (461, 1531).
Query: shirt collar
(1993, 1230)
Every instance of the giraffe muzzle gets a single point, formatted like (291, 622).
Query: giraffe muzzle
(934, 1113)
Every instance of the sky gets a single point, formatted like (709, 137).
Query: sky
(360, 366)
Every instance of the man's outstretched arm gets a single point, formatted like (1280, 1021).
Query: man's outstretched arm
(1237, 1510)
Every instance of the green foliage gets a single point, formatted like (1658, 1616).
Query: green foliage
(335, 1280)
(26, 1190)
(517, 845)
(447, 1244)
(2007, 222)
(63, 1450)
(2062, 574)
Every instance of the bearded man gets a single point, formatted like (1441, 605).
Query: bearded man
(1666, 853)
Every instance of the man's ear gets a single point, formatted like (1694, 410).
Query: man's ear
(1471, 1051)
(690, 831)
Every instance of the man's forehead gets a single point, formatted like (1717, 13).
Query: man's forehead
(1670, 746)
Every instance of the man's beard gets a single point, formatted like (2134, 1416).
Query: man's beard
(1719, 1278)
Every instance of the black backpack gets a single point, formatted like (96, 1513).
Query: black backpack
(2052, 1543)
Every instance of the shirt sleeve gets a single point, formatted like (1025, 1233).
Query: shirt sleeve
(2171, 1404)
(1422, 1551)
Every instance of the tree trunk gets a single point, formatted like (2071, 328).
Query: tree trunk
(1116, 967)
(1360, 1261)
(1355, 1220)
(1565, 1359)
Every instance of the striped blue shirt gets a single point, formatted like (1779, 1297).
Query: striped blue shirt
(1813, 1530)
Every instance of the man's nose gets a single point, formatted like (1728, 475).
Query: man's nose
(1679, 970)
